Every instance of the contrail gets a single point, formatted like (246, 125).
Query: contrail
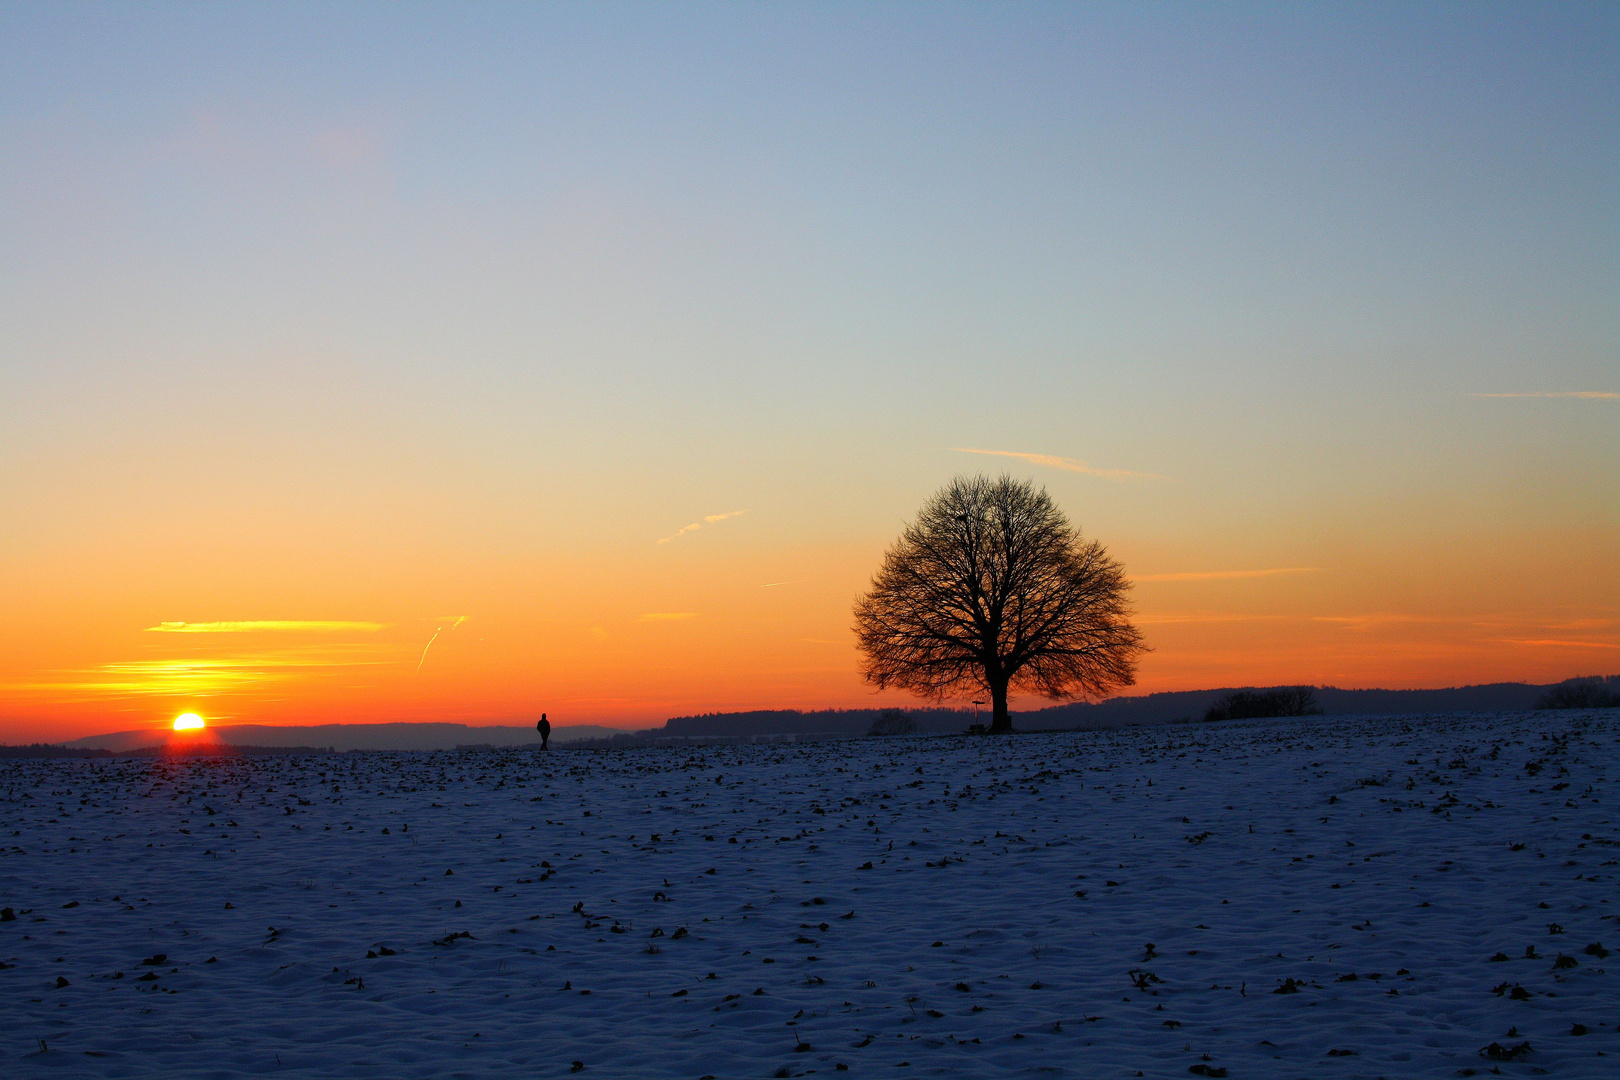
(455, 621)
(711, 519)
(426, 647)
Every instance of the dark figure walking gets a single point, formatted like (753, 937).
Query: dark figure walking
(544, 728)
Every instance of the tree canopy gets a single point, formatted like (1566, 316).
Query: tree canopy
(991, 589)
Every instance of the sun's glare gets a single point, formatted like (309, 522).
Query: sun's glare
(188, 722)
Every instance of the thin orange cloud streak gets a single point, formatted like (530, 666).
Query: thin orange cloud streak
(1179, 618)
(267, 626)
(1227, 575)
(1066, 464)
(1559, 642)
(1601, 395)
(1363, 622)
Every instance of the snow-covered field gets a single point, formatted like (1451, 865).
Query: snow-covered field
(1323, 898)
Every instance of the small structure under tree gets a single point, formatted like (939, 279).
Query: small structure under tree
(992, 589)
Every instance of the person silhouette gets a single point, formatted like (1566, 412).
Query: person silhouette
(544, 728)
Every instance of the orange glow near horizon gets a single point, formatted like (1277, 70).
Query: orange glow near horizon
(608, 641)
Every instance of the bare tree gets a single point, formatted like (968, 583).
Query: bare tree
(991, 588)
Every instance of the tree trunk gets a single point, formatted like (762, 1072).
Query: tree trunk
(1000, 718)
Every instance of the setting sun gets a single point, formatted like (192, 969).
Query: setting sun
(188, 722)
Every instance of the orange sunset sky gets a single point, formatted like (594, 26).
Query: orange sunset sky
(366, 364)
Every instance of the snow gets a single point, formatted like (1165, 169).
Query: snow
(1373, 865)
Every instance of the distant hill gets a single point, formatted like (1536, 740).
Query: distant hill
(793, 724)
(1162, 708)
(1192, 704)
(356, 736)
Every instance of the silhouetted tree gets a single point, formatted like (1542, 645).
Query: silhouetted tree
(1251, 704)
(893, 722)
(992, 589)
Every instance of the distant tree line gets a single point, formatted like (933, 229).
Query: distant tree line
(1253, 704)
(893, 722)
(1591, 692)
(51, 750)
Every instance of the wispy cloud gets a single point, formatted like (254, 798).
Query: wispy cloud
(1561, 642)
(712, 519)
(1598, 394)
(1066, 464)
(1584, 624)
(1500, 624)
(1377, 619)
(1225, 575)
(1170, 618)
(267, 626)
(775, 584)
(666, 616)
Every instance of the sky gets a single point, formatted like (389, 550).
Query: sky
(368, 362)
